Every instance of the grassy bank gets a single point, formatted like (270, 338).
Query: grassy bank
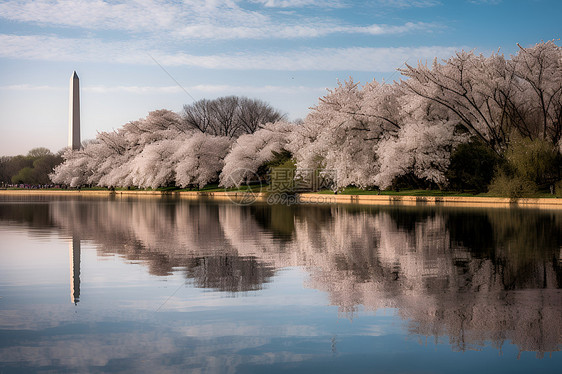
(348, 197)
(256, 188)
(358, 191)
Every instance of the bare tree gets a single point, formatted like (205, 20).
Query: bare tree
(198, 115)
(229, 116)
(224, 116)
(253, 114)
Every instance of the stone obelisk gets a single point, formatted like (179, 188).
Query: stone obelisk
(74, 113)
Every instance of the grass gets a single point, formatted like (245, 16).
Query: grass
(358, 191)
(258, 187)
(255, 187)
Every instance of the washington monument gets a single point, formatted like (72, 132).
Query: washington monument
(74, 113)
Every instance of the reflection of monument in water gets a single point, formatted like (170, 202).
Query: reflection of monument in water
(74, 254)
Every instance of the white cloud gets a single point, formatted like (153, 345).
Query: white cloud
(408, 3)
(343, 3)
(30, 87)
(196, 20)
(147, 15)
(133, 89)
(151, 90)
(390, 29)
(326, 59)
(96, 14)
(48, 48)
(52, 48)
(485, 2)
(203, 88)
(135, 16)
(300, 3)
(255, 89)
(295, 31)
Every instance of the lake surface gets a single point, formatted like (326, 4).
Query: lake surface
(164, 285)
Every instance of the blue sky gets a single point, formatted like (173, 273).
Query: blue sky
(286, 52)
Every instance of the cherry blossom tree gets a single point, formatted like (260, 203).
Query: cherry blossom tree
(471, 91)
(539, 98)
(199, 159)
(153, 167)
(108, 154)
(251, 151)
(159, 150)
(109, 160)
(73, 171)
(342, 132)
(421, 149)
(493, 97)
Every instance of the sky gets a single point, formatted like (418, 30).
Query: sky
(133, 57)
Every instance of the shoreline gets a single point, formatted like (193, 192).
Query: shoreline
(246, 198)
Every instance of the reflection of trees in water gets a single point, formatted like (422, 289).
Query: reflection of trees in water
(36, 215)
(526, 247)
(384, 258)
(441, 286)
(473, 276)
(166, 237)
(228, 273)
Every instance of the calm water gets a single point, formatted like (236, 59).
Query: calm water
(150, 285)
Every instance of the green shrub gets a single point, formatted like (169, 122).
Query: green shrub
(24, 176)
(558, 189)
(282, 177)
(279, 158)
(530, 166)
(534, 160)
(512, 186)
(472, 167)
(409, 181)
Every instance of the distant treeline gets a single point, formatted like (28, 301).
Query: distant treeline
(31, 169)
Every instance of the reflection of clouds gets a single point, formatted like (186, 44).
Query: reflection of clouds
(165, 346)
(218, 329)
(163, 352)
(373, 330)
(172, 341)
(86, 351)
(41, 316)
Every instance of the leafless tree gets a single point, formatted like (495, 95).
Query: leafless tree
(229, 116)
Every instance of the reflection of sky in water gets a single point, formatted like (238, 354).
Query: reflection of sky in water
(332, 291)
